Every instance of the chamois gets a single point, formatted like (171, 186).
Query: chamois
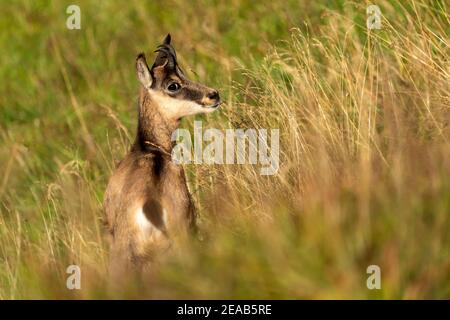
(147, 202)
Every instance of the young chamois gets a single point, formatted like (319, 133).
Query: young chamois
(147, 202)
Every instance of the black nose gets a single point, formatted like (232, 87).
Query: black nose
(213, 95)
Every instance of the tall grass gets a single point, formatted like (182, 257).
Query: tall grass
(364, 148)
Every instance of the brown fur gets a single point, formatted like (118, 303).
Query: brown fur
(147, 180)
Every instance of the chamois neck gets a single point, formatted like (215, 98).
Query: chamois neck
(154, 130)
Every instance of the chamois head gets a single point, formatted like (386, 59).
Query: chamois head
(166, 83)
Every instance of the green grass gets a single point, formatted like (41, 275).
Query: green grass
(364, 164)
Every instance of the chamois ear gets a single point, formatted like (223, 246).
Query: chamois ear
(167, 39)
(143, 72)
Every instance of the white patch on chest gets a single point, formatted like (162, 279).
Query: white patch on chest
(142, 222)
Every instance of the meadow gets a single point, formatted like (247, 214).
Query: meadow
(364, 175)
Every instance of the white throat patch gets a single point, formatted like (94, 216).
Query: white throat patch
(174, 108)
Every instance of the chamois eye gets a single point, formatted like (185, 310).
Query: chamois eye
(174, 87)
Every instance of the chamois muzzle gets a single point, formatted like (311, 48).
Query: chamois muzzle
(212, 99)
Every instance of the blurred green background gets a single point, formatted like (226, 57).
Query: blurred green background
(68, 113)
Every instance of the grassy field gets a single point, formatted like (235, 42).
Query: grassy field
(364, 175)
